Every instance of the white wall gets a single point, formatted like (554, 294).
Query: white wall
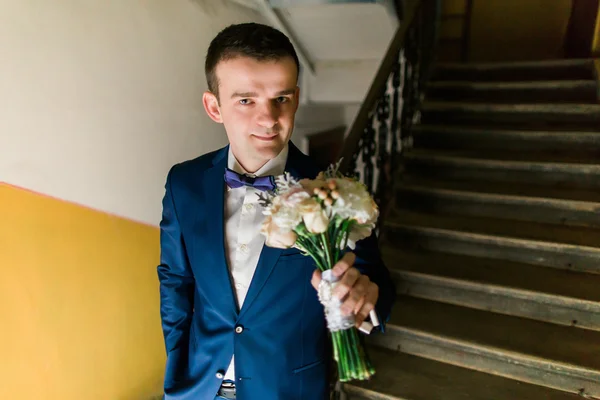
(99, 98)
(342, 82)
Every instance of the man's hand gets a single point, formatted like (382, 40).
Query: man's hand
(358, 294)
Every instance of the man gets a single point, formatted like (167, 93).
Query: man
(239, 318)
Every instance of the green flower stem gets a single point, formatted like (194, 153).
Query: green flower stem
(327, 249)
(360, 357)
(343, 366)
(307, 239)
(334, 232)
(352, 367)
(350, 356)
(305, 246)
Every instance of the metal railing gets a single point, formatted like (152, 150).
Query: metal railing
(381, 129)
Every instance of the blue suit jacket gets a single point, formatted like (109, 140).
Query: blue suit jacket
(282, 350)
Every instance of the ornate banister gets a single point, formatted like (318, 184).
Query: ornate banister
(382, 127)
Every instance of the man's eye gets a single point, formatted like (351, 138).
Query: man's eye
(282, 99)
(244, 102)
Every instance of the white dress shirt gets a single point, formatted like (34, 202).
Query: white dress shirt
(243, 219)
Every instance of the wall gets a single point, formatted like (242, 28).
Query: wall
(78, 302)
(596, 40)
(518, 30)
(580, 32)
(454, 19)
(97, 100)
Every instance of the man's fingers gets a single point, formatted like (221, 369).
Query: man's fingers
(359, 304)
(369, 303)
(355, 295)
(345, 284)
(316, 279)
(344, 264)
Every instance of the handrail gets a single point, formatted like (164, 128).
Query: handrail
(377, 86)
(382, 128)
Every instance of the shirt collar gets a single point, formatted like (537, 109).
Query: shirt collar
(275, 166)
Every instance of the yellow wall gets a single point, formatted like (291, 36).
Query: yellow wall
(454, 7)
(596, 41)
(597, 65)
(517, 30)
(79, 304)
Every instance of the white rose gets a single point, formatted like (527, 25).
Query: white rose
(286, 218)
(314, 216)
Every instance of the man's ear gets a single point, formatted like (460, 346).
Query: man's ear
(211, 105)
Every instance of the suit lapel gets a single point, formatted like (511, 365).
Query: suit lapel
(269, 255)
(213, 237)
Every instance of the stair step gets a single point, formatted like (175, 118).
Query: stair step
(563, 91)
(436, 166)
(510, 188)
(406, 377)
(506, 287)
(543, 210)
(531, 351)
(591, 156)
(517, 71)
(453, 241)
(577, 236)
(530, 116)
(552, 143)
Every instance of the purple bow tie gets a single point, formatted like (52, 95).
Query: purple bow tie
(235, 180)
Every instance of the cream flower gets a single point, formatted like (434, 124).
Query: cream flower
(314, 216)
(277, 237)
(286, 218)
(283, 209)
(355, 202)
(294, 196)
(359, 232)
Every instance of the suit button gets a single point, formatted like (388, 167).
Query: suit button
(239, 329)
(220, 375)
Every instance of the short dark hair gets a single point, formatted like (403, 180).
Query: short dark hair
(257, 41)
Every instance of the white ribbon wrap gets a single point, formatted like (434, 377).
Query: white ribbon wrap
(336, 321)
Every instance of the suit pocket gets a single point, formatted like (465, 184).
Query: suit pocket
(309, 366)
(292, 254)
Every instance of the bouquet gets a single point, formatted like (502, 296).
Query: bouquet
(321, 218)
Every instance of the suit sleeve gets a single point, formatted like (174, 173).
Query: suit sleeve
(369, 262)
(176, 290)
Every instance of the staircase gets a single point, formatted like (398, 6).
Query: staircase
(494, 240)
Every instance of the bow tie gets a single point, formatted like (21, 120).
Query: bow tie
(235, 180)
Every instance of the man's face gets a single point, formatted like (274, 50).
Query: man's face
(257, 103)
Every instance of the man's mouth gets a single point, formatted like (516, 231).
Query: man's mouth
(265, 138)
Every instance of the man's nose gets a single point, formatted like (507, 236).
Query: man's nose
(268, 116)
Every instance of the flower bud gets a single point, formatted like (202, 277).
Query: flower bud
(314, 216)
(316, 222)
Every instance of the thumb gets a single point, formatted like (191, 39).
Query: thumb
(316, 279)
